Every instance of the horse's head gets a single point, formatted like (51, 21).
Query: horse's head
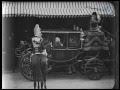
(47, 45)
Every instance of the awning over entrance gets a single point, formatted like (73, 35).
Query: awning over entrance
(51, 9)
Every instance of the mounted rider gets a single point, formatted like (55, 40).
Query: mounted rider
(37, 40)
(39, 58)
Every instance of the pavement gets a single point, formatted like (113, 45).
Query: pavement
(57, 80)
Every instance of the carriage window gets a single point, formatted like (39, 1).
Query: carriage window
(59, 41)
(74, 40)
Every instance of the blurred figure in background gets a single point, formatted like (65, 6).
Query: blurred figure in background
(95, 21)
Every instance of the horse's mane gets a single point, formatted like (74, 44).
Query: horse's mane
(44, 44)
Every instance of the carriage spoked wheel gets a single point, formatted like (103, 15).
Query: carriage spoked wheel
(92, 75)
(95, 69)
(26, 67)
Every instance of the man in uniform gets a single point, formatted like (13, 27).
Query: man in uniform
(36, 40)
(36, 58)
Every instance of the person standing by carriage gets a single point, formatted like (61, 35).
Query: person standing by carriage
(39, 57)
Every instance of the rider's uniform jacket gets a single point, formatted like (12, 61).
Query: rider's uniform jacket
(38, 47)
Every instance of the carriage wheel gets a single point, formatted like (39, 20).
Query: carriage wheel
(95, 69)
(92, 75)
(25, 67)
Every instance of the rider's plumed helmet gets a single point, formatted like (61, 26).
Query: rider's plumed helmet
(37, 30)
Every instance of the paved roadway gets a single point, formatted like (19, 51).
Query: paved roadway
(58, 81)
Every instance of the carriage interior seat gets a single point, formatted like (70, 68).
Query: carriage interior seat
(74, 41)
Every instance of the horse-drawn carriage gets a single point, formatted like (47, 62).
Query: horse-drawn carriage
(86, 50)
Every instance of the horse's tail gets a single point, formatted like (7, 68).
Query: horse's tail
(39, 70)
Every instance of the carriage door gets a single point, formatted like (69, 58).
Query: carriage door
(59, 46)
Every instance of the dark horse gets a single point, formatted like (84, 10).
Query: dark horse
(39, 66)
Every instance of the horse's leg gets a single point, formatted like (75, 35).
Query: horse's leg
(38, 71)
(41, 79)
(41, 84)
(34, 61)
(44, 77)
(43, 67)
(44, 73)
(34, 78)
(34, 85)
(38, 84)
(33, 73)
(45, 82)
(38, 76)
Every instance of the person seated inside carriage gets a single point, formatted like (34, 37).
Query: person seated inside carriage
(57, 43)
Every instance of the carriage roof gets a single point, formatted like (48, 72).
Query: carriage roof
(57, 9)
(60, 32)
